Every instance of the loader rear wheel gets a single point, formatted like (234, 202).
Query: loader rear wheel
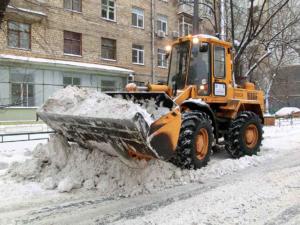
(245, 135)
(195, 141)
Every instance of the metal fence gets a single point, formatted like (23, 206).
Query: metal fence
(287, 121)
(31, 136)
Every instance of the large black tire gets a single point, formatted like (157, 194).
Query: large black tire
(237, 144)
(195, 124)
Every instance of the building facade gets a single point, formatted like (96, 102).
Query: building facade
(100, 44)
(285, 91)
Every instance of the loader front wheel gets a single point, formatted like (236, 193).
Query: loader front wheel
(245, 135)
(195, 141)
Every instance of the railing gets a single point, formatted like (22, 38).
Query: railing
(30, 136)
(287, 121)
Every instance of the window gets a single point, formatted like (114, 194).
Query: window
(137, 16)
(108, 85)
(162, 23)
(138, 54)
(219, 62)
(161, 58)
(108, 9)
(72, 43)
(108, 48)
(22, 90)
(185, 28)
(73, 5)
(74, 81)
(19, 35)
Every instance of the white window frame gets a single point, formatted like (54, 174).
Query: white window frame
(138, 55)
(182, 25)
(162, 19)
(107, 10)
(162, 56)
(72, 8)
(140, 15)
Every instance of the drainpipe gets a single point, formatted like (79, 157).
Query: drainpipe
(152, 39)
(196, 17)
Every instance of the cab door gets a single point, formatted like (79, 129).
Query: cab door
(219, 85)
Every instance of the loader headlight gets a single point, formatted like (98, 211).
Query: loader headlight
(195, 40)
(168, 48)
(202, 87)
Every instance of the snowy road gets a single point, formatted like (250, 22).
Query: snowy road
(266, 192)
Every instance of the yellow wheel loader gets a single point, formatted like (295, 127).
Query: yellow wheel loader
(204, 104)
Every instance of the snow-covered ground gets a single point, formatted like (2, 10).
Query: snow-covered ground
(263, 189)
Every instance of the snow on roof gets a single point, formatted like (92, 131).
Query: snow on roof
(27, 10)
(65, 63)
(206, 36)
(285, 111)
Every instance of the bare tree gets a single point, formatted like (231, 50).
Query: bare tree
(255, 32)
(213, 8)
(282, 39)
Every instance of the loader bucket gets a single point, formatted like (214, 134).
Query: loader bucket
(130, 139)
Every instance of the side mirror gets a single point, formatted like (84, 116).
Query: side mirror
(203, 47)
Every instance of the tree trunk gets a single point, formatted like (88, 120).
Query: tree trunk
(3, 6)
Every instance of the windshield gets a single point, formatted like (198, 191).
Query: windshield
(178, 65)
(199, 72)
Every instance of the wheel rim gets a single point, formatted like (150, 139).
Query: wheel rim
(251, 136)
(202, 143)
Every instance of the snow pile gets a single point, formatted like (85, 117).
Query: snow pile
(286, 111)
(87, 102)
(63, 166)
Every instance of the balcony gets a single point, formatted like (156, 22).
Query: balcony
(185, 9)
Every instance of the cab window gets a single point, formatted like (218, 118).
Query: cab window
(219, 62)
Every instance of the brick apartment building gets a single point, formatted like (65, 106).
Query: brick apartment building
(46, 45)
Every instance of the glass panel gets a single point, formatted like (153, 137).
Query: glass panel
(199, 67)
(68, 47)
(140, 22)
(141, 56)
(158, 25)
(24, 40)
(24, 27)
(77, 5)
(112, 3)
(67, 81)
(76, 81)
(13, 25)
(108, 85)
(13, 39)
(134, 19)
(219, 65)
(68, 4)
(30, 95)
(134, 56)
(76, 48)
(16, 94)
(178, 64)
(111, 15)
(138, 47)
(104, 13)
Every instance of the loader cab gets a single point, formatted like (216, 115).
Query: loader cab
(200, 62)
